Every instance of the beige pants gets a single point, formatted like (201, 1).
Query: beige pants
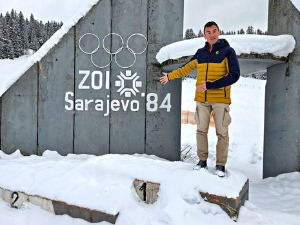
(222, 119)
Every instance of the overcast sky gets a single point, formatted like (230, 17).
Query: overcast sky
(229, 14)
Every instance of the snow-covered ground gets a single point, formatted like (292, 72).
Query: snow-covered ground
(272, 200)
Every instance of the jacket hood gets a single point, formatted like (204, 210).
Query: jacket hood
(221, 43)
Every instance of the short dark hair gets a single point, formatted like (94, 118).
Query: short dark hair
(210, 24)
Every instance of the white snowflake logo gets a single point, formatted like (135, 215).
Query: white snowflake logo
(134, 83)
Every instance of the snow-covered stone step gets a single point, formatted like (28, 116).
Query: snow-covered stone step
(106, 183)
(17, 199)
(230, 205)
(148, 192)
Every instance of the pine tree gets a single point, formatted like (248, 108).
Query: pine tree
(189, 34)
(1, 25)
(43, 35)
(33, 44)
(259, 31)
(200, 33)
(18, 34)
(31, 33)
(6, 25)
(2, 39)
(250, 30)
(242, 31)
(2, 56)
(11, 35)
(23, 33)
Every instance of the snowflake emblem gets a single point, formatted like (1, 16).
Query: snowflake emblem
(128, 77)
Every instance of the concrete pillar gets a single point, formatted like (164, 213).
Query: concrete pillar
(165, 25)
(282, 111)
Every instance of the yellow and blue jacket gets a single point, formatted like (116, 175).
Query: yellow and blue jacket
(219, 67)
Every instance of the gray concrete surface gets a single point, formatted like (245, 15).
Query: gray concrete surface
(282, 111)
(163, 128)
(91, 128)
(56, 77)
(58, 110)
(19, 115)
(127, 128)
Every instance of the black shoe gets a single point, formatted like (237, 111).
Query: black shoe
(220, 171)
(201, 165)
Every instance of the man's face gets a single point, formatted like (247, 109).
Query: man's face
(211, 34)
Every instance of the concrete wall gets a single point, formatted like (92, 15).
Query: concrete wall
(163, 129)
(91, 128)
(56, 76)
(127, 129)
(19, 115)
(282, 109)
(35, 115)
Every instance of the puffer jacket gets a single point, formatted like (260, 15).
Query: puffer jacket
(218, 67)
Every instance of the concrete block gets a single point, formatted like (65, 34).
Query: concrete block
(44, 203)
(14, 198)
(57, 207)
(94, 216)
(230, 205)
(6, 195)
(146, 190)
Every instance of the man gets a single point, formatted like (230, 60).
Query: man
(217, 68)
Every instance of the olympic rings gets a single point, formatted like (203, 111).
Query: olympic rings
(96, 49)
(137, 34)
(126, 46)
(101, 67)
(107, 50)
(134, 54)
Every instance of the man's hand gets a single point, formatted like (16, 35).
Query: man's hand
(164, 79)
(202, 87)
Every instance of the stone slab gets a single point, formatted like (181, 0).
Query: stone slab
(230, 205)
(146, 190)
(56, 207)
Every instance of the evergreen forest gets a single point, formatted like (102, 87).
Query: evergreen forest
(18, 34)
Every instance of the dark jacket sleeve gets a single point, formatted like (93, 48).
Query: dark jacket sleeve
(232, 76)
